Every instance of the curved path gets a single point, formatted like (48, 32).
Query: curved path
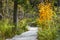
(29, 35)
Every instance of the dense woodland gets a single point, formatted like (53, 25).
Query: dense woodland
(15, 15)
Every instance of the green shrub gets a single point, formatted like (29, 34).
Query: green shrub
(47, 34)
(22, 26)
(7, 29)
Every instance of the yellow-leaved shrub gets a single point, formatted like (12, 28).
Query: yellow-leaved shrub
(47, 28)
(45, 12)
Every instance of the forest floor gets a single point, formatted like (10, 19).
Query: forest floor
(29, 35)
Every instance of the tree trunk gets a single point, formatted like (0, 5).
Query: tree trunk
(1, 6)
(58, 4)
(15, 13)
(1, 10)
